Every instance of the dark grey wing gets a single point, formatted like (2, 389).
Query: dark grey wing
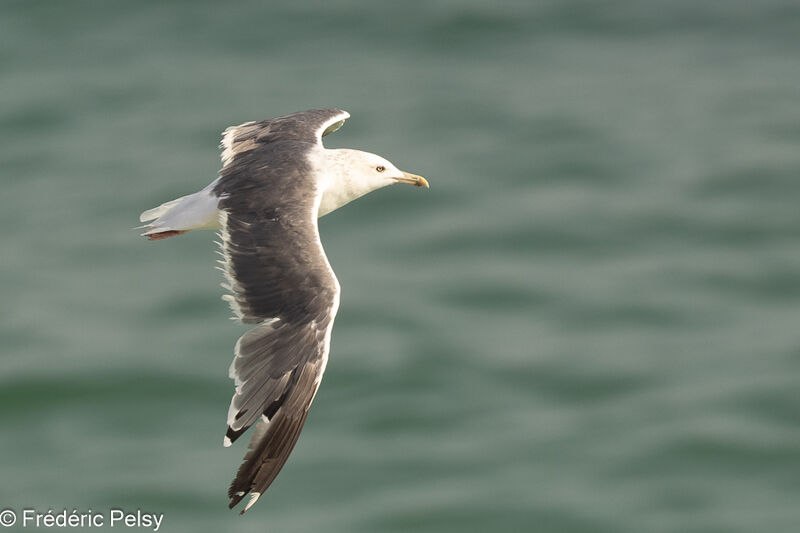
(280, 279)
(306, 126)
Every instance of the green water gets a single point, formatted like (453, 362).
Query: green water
(589, 323)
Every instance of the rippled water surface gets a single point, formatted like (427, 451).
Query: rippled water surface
(589, 323)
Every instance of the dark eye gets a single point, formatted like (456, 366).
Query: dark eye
(380, 168)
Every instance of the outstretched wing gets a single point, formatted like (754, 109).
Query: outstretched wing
(279, 279)
(306, 126)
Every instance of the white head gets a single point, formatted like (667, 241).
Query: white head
(353, 173)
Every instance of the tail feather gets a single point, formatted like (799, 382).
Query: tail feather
(193, 211)
(152, 214)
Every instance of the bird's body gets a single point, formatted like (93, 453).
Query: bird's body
(276, 180)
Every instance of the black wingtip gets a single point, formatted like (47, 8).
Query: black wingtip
(235, 501)
(232, 434)
(272, 443)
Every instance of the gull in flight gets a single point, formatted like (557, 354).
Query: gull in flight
(276, 180)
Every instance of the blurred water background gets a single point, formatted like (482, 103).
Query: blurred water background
(589, 323)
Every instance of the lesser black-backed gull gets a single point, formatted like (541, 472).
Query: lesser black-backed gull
(276, 180)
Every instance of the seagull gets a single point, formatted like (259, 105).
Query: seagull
(276, 180)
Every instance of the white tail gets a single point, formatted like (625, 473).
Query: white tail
(193, 211)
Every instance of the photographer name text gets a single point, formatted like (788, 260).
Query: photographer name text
(118, 518)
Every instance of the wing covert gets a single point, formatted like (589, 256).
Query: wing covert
(305, 126)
